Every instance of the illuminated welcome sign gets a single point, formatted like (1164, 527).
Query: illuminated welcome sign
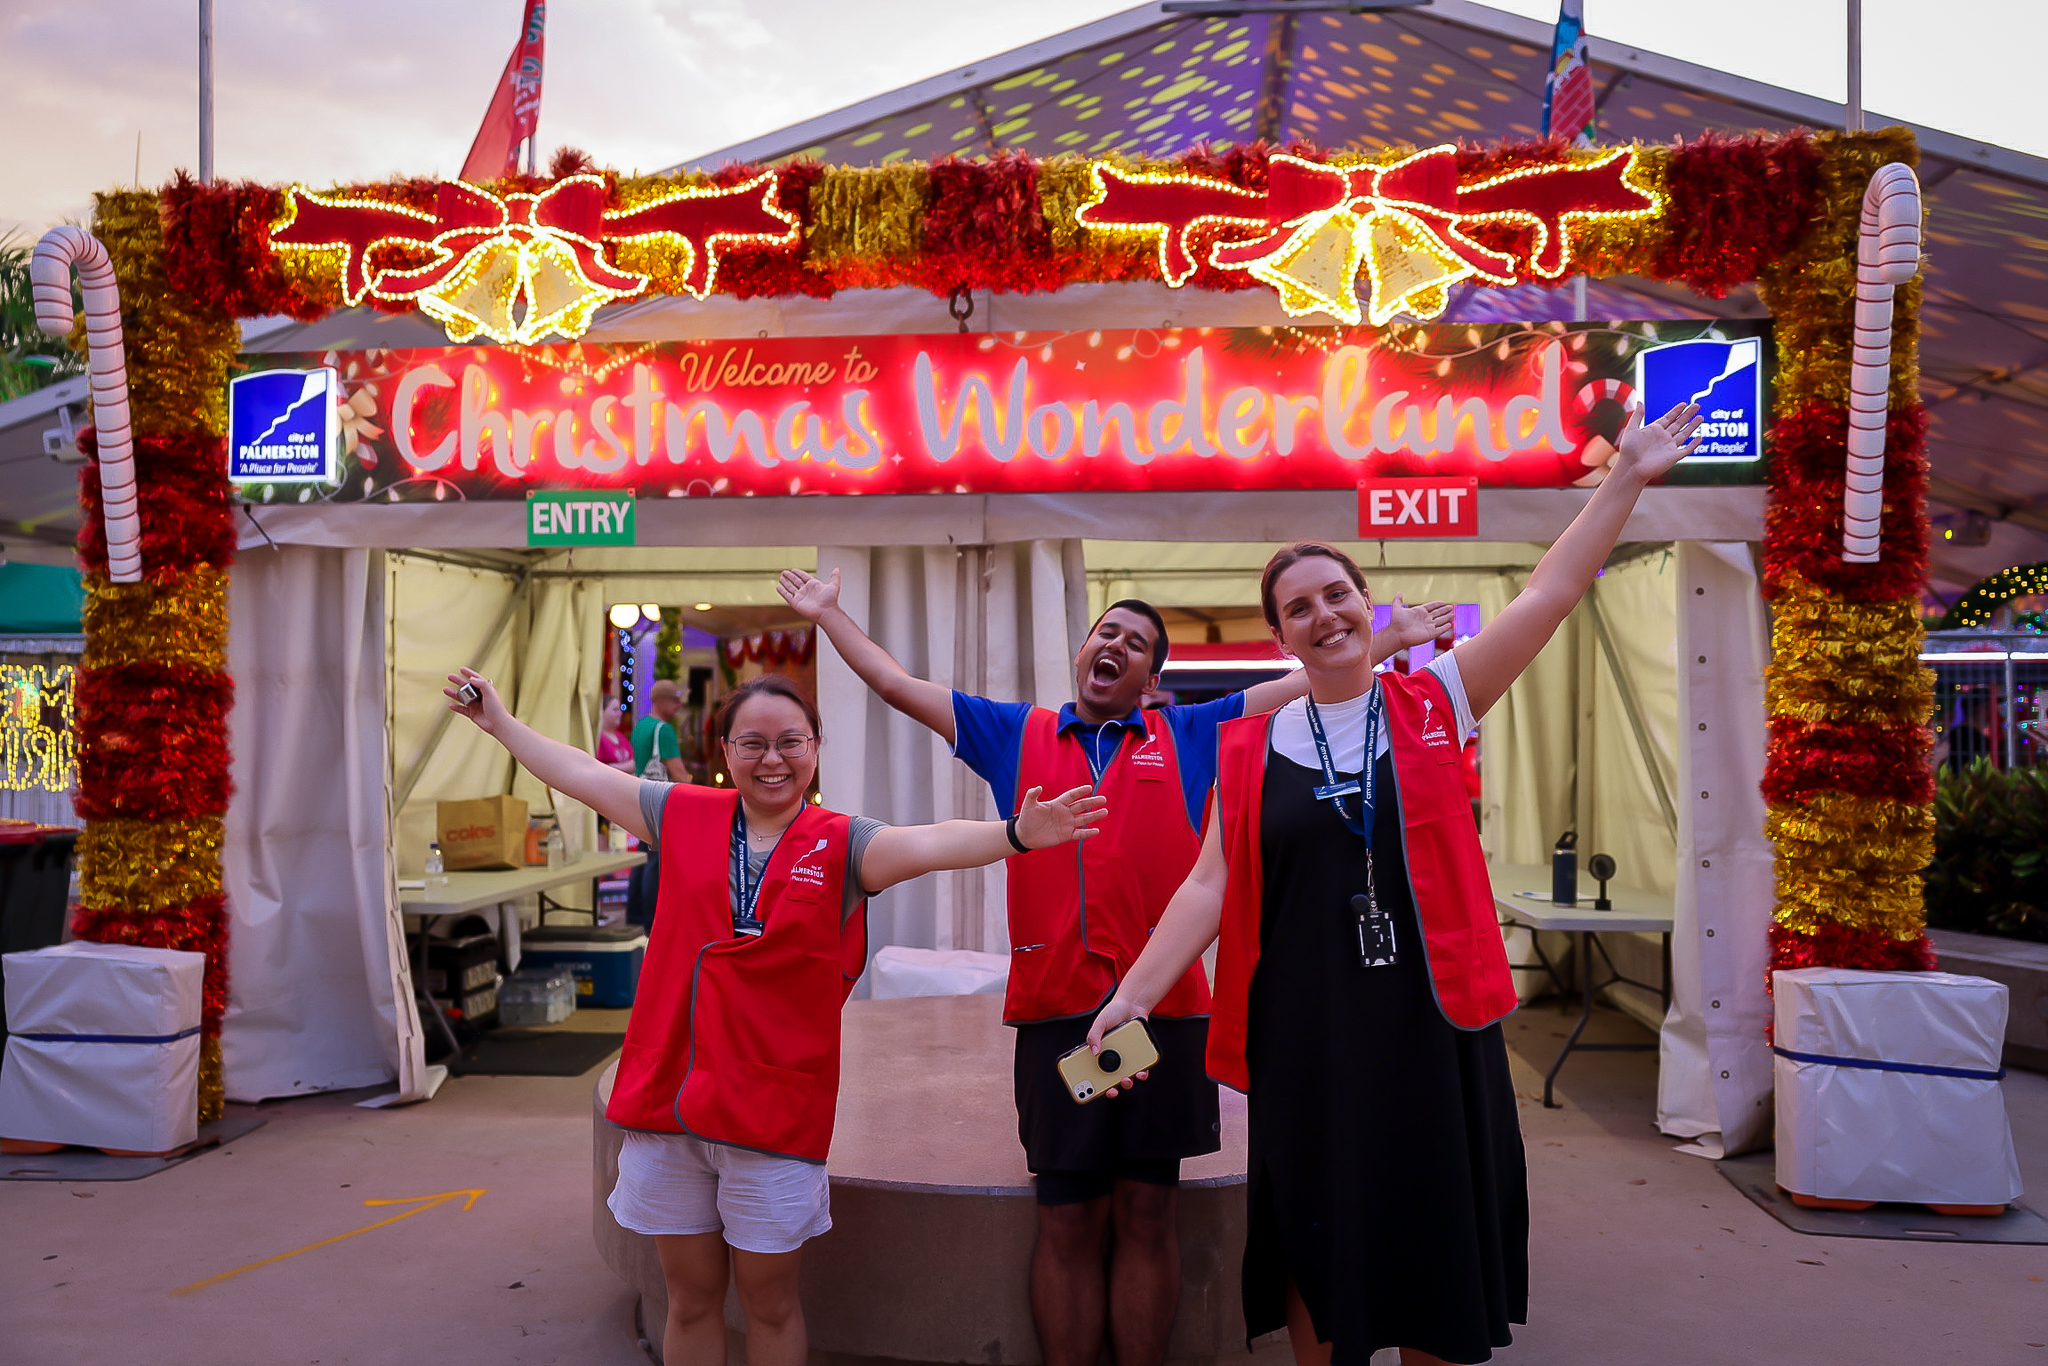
(1191, 409)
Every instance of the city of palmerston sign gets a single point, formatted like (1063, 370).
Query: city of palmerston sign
(1520, 405)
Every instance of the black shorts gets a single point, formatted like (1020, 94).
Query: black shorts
(1170, 1115)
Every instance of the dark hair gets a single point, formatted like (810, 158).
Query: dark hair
(1151, 614)
(768, 685)
(1292, 555)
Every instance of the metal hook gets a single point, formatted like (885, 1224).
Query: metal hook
(961, 306)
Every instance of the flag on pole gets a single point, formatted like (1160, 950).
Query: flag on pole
(1568, 110)
(515, 105)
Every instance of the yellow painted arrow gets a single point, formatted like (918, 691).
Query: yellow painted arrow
(420, 1204)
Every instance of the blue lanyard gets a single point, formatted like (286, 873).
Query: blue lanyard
(744, 921)
(1335, 792)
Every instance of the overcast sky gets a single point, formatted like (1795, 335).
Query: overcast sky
(324, 90)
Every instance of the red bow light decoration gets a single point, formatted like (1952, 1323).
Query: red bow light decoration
(520, 266)
(770, 649)
(1316, 226)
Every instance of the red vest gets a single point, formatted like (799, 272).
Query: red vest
(1468, 964)
(737, 1039)
(1080, 913)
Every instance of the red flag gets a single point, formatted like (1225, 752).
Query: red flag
(515, 106)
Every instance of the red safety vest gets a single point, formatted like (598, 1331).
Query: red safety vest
(737, 1039)
(1468, 964)
(1080, 913)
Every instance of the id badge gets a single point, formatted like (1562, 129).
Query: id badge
(1375, 927)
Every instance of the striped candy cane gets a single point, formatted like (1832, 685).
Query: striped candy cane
(1887, 255)
(50, 272)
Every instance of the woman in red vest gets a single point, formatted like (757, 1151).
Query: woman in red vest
(729, 1076)
(1361, 978)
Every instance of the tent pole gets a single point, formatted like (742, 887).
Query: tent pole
(1854, 110)
(419, 765)
(1631, 708)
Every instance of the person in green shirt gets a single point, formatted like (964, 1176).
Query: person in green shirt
(657, 754)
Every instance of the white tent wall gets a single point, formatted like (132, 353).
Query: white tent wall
(1000, 620)
(1714, 1084)
(560, 688)
(319, 995)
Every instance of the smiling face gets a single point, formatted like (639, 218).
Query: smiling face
(1325, 620)
(1114, 668)
(771, 783)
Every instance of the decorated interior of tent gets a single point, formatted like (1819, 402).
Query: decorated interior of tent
(997, 381)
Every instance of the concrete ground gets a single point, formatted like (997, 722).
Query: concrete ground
(1639, 1254)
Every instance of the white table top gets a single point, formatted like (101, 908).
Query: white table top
(473, 891)
(1633, 910)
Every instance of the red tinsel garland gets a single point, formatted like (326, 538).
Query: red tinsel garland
(751, 272)
(1863, 759)
(1734, 205)
(188, 517)
(152, 742)
(984, 228)
(1837, 946)
(1803, 524)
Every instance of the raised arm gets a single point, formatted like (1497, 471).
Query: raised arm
(1406, 626)
(1186, 929)
(564, 768)
(898, 853)
(1492, 660)
(817, 600)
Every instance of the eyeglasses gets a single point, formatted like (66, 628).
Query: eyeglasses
(753, 748)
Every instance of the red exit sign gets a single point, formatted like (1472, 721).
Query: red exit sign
(1418, 507)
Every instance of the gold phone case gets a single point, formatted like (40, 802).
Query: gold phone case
(1127, 1049)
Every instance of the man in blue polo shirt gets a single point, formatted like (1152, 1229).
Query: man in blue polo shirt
(1108, 1253)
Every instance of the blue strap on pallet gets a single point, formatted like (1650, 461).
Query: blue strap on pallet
(1923, 1069)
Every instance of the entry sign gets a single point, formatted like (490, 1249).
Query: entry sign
(283, 427)
(577, 517)
(1418, 507)
(1726, 378)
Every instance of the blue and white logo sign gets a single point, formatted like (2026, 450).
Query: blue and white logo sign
(1726, 380)
(283, 427)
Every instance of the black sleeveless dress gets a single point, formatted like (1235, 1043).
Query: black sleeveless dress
(1387, 1175)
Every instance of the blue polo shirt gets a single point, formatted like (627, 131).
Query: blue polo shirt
(988, 736)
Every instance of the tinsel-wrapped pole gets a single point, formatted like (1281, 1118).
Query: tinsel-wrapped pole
(153, 691)
(1848, 780)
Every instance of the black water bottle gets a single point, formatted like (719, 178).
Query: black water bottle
(1564, 870)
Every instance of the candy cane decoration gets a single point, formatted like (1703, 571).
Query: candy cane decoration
(1887, 256)
(50, 272)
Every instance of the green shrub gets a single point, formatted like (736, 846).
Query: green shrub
(1990, 869)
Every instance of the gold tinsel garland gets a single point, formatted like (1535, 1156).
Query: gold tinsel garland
(179, 353)
(181, 622)
(1834, 660)
(148, 866)
(869, 215)
(1851, 861)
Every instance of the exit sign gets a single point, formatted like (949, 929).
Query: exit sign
(1418, 507)
(573, 517)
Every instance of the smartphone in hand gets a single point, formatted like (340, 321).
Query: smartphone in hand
(1126, 1051)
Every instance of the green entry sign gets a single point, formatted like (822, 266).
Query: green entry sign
(571, 517)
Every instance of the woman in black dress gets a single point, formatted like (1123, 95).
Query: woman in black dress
(1361, 979)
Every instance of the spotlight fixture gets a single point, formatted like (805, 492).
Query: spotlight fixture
(625, 616)
(652, 611)
(702, 607)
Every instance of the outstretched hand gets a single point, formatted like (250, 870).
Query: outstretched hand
(1647, 450)
(488, 711)
(811, 596)
(1073, 815)
(1420, 624)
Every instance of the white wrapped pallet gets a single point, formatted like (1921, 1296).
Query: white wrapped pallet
(1888, 1087)
(103, 1046)
(900, 971)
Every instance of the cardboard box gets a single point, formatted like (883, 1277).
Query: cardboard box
(482, 833)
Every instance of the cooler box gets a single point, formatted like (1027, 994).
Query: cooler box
(604, 959)
(103, 1048)
(1888, 1087)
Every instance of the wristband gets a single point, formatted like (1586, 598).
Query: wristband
(1010, 829)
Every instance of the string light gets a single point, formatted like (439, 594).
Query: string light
(37, 751)
(699, 272)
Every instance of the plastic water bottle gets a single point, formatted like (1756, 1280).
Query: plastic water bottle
(436, 877)
(557, 851)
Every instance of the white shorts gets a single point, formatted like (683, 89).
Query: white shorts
(673, 1183)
